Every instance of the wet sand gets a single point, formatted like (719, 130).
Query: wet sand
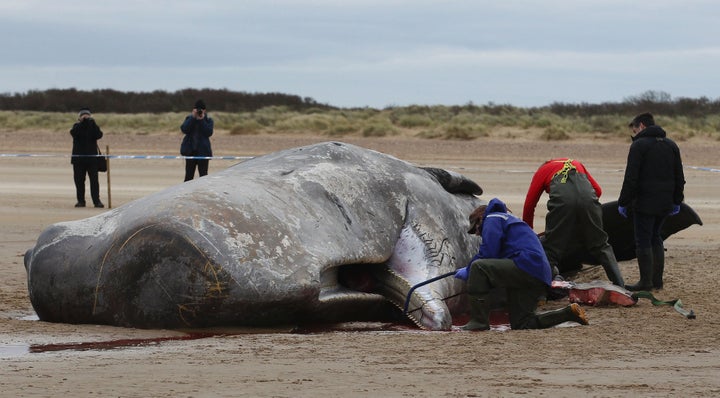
(641, 350)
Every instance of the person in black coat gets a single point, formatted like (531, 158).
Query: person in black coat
(85, 134)
(197, 127)
(652, 189)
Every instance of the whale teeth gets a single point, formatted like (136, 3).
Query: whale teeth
(394, 288)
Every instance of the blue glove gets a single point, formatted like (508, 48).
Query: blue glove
(462, 273)
(623, 211)
(675, 210)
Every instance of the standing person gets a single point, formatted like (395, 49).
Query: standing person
(85, 134)
(197, 127)
(652, 189)
(574, 215)
(510, 256)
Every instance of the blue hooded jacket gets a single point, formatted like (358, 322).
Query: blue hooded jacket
(506, 236)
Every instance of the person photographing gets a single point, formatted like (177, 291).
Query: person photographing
(85, 133)
(197, 128)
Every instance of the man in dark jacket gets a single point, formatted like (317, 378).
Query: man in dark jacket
(197, 127)
(510, 257)
(85, 134)
(652, 189)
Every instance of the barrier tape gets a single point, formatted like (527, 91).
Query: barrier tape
(703, 169)
(32, 155)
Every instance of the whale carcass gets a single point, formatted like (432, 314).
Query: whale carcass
(621, 236)
(328, 232)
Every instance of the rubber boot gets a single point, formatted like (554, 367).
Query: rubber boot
(479, 314)
(610, 265)
(658, 266)
(571, 313)
(555, 271)
(645, 264)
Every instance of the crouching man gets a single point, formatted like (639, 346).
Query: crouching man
(511, 257)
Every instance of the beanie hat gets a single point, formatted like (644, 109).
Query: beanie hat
(199, 104)
(84, 111)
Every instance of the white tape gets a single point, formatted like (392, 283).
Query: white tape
(36, 155)
(33, 155)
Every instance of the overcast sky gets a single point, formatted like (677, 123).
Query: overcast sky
(376, 53)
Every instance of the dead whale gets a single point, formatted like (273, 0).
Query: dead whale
(621, 236)
(329, 232)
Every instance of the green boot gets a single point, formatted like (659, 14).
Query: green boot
(571, 313)
(479, 314)
(658, 266)
(645, 264)
(610, 265)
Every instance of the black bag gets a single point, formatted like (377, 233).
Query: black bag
(101, 162)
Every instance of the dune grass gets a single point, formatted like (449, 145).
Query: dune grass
(431, 122)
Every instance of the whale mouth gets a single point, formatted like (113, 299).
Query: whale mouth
(373, 292)
(349, 282)
(364, 278)
(358, 292)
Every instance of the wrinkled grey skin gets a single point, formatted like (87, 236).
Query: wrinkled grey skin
(328, 232)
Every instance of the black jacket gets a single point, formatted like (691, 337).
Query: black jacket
(654, 179)
(85, 135)
(197, 136)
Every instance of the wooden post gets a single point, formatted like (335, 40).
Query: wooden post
(107, 159)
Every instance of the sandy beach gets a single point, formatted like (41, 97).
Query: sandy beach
(640, 351)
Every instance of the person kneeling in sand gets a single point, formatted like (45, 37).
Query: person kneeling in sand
(512, 257)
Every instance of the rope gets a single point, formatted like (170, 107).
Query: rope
(677, 304)
(567, 166)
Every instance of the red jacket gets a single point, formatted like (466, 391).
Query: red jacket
(541, 182)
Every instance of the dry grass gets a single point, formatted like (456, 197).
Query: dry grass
(432, 122)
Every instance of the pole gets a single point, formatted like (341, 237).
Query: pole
(412, 289)
(107, 159)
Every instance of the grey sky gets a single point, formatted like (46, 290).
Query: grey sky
(369, 53)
